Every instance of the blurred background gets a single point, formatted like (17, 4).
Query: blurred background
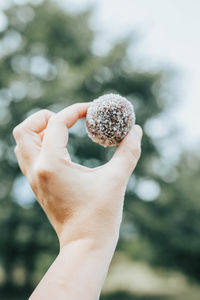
(55, 53)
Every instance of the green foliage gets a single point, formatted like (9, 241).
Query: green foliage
(172, 223)
(127, 296)
(47, 62)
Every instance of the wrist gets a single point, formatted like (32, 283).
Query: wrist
(95, 237)
(91, 263)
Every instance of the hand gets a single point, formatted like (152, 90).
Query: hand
(80, 202)
(84, 205)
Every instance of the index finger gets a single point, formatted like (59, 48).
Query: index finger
(56, 133)
(35, 123)
(27, 136)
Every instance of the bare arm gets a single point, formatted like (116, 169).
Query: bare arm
(83, 205)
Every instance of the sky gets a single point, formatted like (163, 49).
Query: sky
(169, 37)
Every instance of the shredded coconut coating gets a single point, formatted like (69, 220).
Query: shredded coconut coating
(109, 119)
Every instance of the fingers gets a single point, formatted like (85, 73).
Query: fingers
(27, 136)
(127, 154)
(56, 133)
(37, 122)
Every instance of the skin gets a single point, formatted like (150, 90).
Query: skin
(83, 205)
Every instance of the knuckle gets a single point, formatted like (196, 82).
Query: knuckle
(25, 153)
(45, 111)
(16, 150)
(17, 131)
(52, 120)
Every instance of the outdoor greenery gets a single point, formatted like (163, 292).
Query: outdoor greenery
(47, 61)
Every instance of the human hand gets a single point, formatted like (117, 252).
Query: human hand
(80, 202)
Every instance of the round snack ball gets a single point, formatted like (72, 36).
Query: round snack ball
(109, 119)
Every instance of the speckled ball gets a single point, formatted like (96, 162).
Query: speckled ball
(109, 119)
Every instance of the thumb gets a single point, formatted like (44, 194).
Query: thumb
(128, 153)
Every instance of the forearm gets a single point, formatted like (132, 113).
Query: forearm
(78, 272)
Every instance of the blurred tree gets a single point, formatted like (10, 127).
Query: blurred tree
(47, 61)
(170, 226)
(127, 296)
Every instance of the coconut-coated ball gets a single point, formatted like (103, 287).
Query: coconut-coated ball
(109, 118)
